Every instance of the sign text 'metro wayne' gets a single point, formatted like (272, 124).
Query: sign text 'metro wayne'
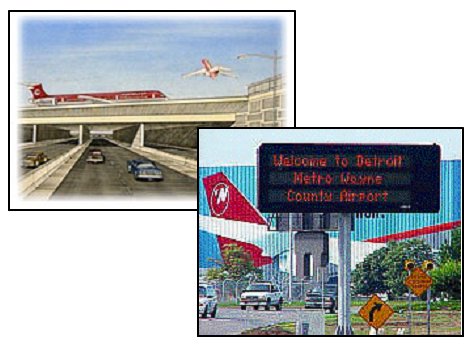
(348, 178)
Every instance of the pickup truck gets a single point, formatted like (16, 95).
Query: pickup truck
(261, 294)
(95, 156)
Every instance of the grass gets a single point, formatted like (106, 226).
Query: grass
(445, 320)
(442, 323)
(397, 305)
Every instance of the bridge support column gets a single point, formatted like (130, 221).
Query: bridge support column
(139, 138)
(80, 134)
(35, 133)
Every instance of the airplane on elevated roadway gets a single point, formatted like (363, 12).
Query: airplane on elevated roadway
(40, 97)
(211, 71)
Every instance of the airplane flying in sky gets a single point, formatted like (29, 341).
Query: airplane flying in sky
(211, 71)
(41, 97)
(234, 220)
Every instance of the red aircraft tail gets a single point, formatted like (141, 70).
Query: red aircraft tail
(37, 91)
(227, 202)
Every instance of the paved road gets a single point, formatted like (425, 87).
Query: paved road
(230, 321)
(111, 178)
(51, 150)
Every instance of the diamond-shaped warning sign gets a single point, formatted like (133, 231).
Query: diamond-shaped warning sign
(418, 281)
(376, 312)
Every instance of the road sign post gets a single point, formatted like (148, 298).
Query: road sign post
(409, 308)
(419, 282)
(428, 309)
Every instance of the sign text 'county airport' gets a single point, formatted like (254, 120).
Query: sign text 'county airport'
(348, 178)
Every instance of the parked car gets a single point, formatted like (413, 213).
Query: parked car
(34, 159)
(95, 156)
(315, 300)
(144, 170)
(261, 294)
(207, 300)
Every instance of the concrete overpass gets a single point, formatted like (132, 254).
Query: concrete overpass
(126, 119)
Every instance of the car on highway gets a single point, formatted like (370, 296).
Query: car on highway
(95, 156)
(261, 294)
(132, 164)
(34, 159)
(207, 300)
(314, 299)
(144, 170)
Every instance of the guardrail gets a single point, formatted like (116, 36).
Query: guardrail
(41, 143)
(31, 180)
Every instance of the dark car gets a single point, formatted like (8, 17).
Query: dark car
(315, 300)
(144, 170)
(132, 164)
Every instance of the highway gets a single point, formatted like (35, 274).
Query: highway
(233, 321)
(52, 150)
(111, 178)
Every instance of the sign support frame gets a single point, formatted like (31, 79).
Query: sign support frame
(344, 277)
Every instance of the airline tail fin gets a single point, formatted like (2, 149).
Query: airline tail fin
(227, 202)
(37, 91)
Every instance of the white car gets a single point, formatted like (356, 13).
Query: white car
(207, 300)
(261, 294)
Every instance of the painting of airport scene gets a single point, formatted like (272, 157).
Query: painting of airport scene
(109, 106)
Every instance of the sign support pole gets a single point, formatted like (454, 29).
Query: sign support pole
(409, 308)
(344, 277)
(428, 308)
(291, 255)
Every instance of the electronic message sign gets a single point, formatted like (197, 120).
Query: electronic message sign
(348, 178)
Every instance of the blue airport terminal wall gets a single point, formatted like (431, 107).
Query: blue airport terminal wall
(434, 228)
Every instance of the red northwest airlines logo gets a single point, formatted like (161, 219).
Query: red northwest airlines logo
(219, 199)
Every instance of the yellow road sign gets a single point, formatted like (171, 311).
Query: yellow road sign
(376, 312)
(418, 281)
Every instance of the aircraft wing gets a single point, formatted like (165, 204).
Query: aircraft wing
(195, 73)
(224, 69)
(227, 74)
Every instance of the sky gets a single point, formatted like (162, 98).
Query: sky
(86, 54)
(223, 147)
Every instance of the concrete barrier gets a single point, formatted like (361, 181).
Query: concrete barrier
(31, 180)
(41, 143)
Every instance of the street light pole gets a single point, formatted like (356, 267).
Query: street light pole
(275, 58)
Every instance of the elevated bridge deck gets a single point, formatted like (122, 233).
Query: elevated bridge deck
(220, 109)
